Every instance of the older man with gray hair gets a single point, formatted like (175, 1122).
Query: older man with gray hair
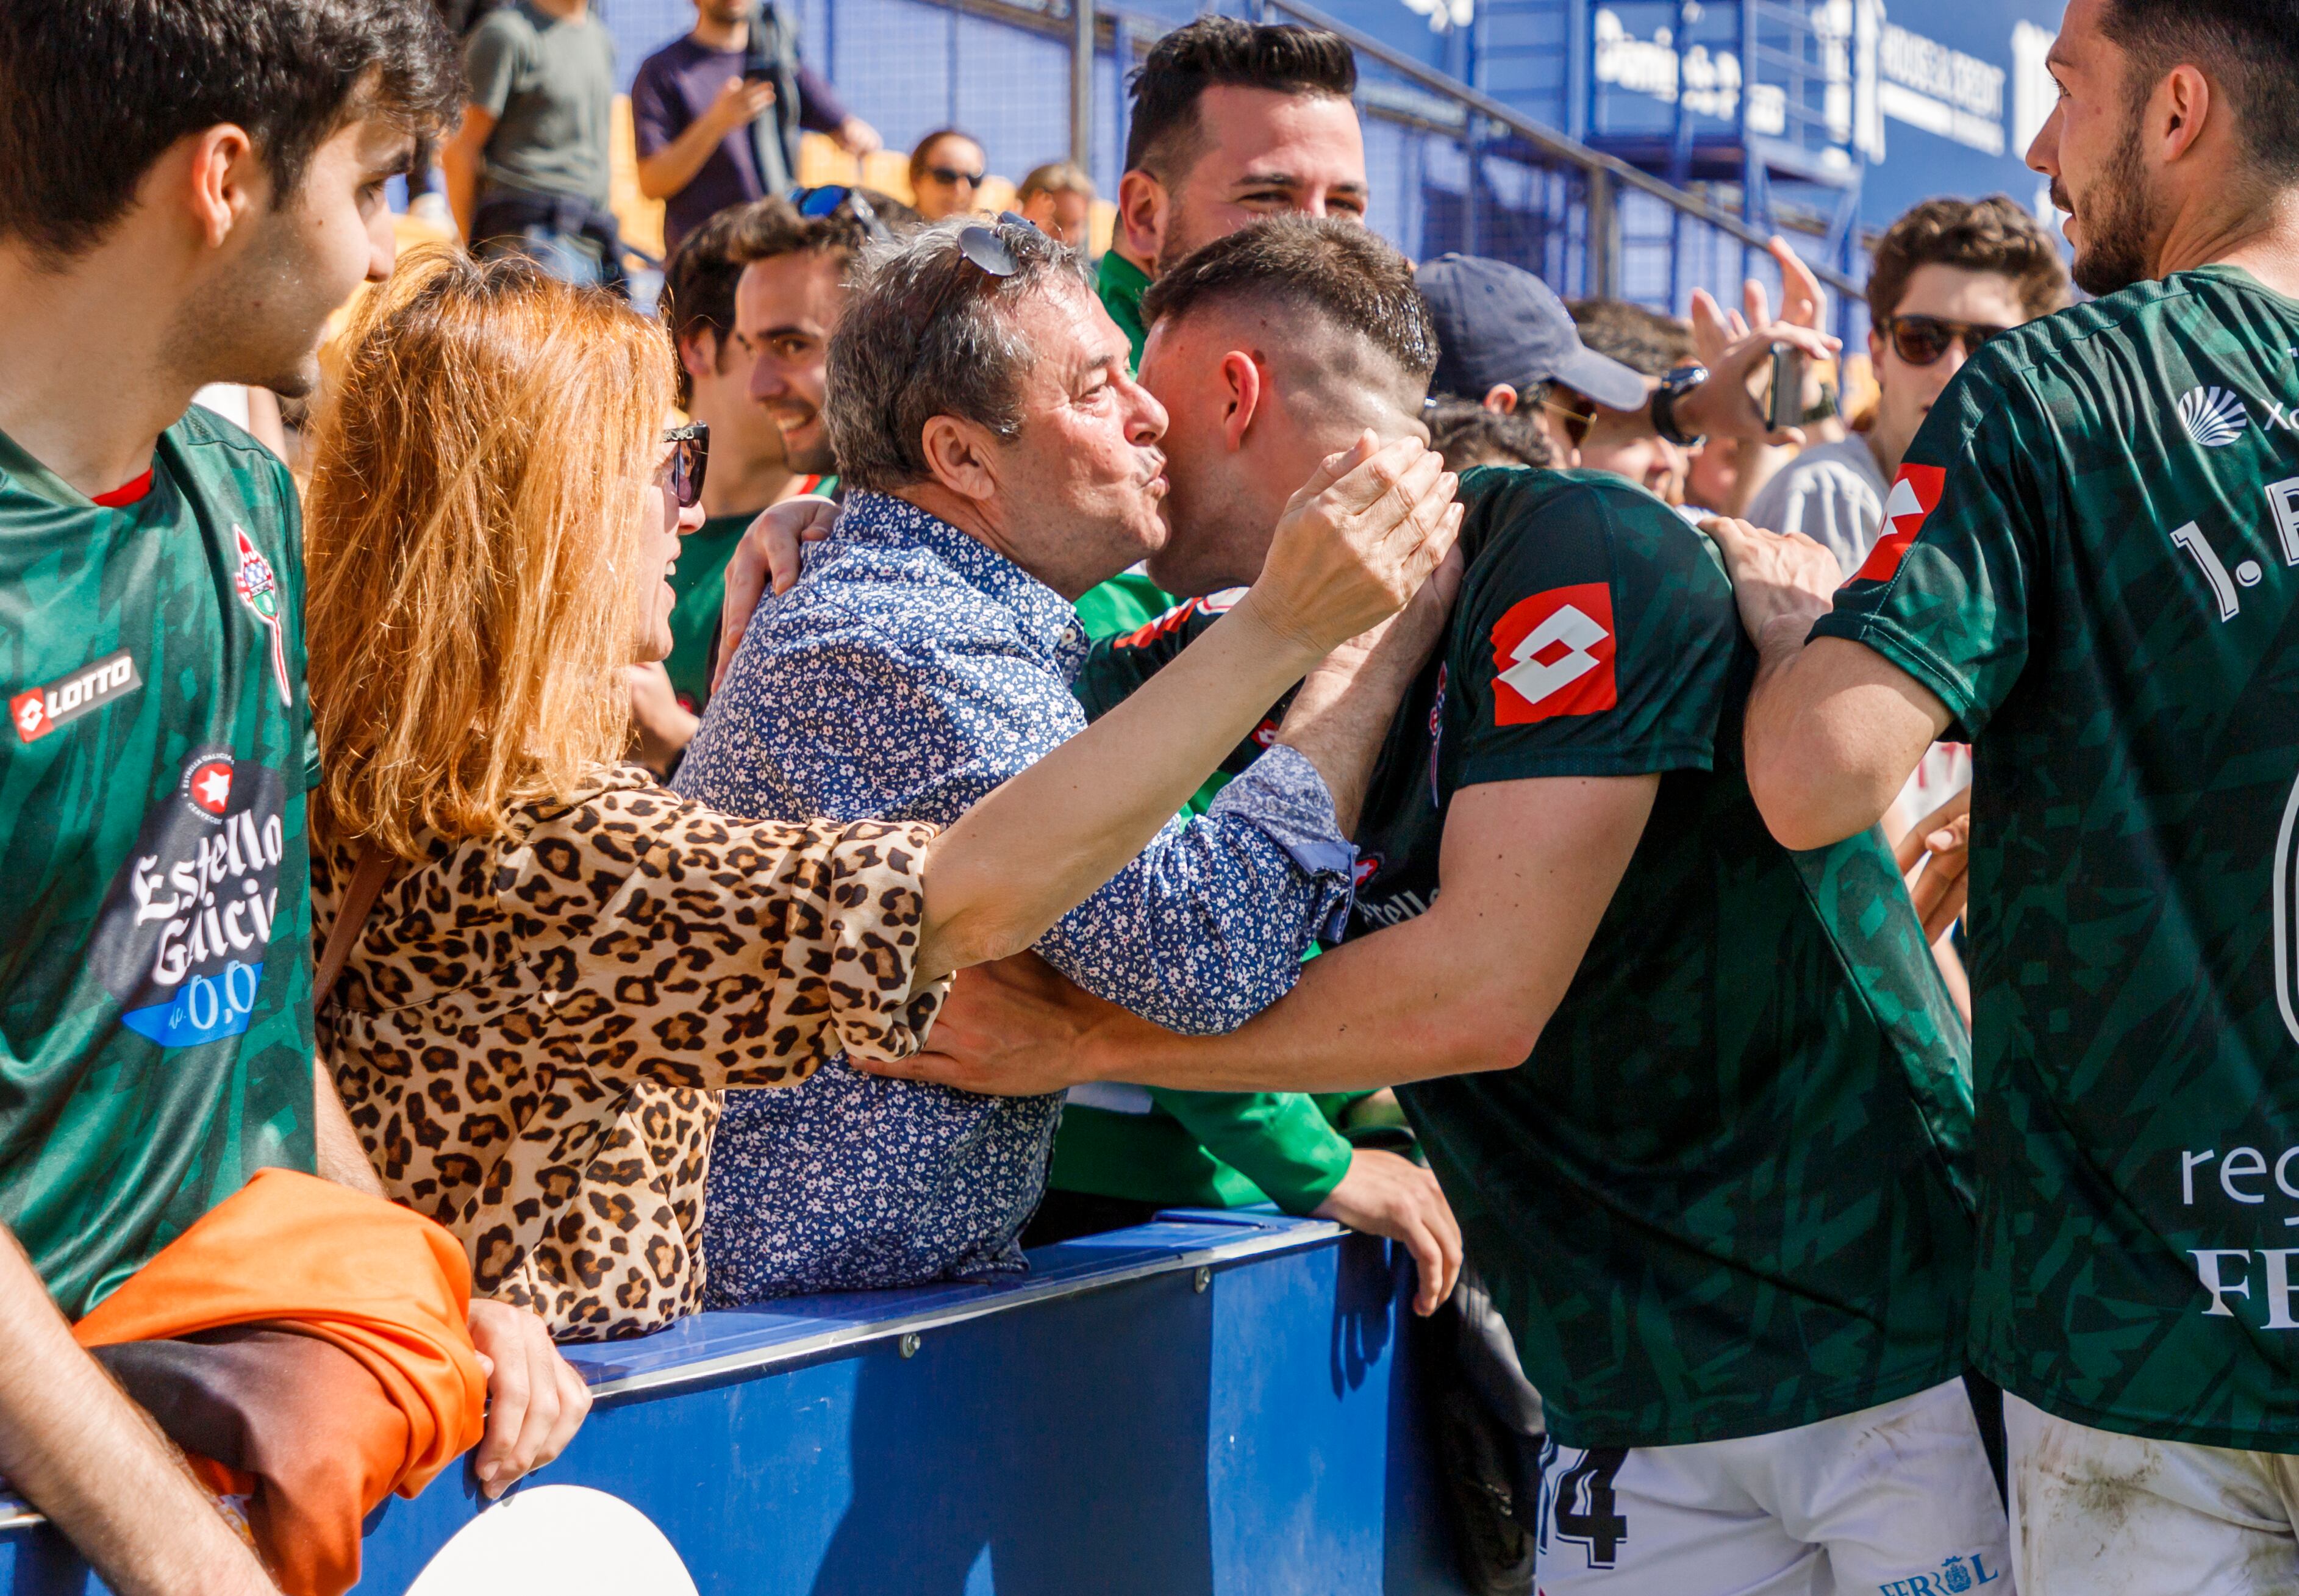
(1001, 461)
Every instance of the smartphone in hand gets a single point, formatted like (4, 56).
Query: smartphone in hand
(1785, 405)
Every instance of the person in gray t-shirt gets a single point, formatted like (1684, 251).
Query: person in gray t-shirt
(529, 171)
(1949, 274)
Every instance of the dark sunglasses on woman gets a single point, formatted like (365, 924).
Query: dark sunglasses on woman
(953, 177)
(1919, 340)
(690, 457)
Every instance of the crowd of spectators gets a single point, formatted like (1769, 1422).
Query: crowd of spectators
(633, 718)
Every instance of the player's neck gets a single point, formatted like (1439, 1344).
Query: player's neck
(2262, 239)
(83, 388)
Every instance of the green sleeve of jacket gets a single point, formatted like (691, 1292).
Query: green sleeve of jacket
(1281, 1141)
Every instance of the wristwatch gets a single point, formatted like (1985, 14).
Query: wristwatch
(1827, 405)
(1680, 381)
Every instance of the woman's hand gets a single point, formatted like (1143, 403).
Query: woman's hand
(536, 1401)
(770, 554)
(1357, 542)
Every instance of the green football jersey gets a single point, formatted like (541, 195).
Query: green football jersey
(2089, 557)
(1724, 1194)
(155, 1032)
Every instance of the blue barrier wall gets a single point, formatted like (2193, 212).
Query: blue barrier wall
(1105, 1424)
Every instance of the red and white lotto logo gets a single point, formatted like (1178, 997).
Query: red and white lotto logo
(1553, 655)
(29, 714)
(1914, 491)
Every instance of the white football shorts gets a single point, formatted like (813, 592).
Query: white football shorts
(1892, 1501)
(2099, 1514)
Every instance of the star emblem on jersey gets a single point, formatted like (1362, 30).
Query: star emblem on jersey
(208, 784)
(1914, 491)
(2213, 417)
(259, 590)
(1553, 655)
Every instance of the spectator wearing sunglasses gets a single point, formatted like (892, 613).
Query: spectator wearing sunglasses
(1949, 274)
(1626, 443)
(947, 169)
(1506, 342)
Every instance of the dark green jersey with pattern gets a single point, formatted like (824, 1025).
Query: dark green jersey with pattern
(2092, 557)
(156, 1037)
(1721, 1197)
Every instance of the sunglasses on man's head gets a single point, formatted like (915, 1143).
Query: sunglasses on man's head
(690, 457)
(953, 177)
(1921, 340)
(831, 198)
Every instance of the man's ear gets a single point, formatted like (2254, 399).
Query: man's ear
(1141, 209)
(1501, 399)
(2181, 108)
(958, 453)
(224, 180)
(701, 353)
(1242, 394)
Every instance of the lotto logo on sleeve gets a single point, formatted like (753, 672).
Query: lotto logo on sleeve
(1914, 491)
(1553, 655)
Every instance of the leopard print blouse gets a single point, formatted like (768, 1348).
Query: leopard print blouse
(533, 1031)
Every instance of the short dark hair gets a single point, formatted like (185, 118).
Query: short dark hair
(699, 282)
(100, 88)
(1645, 341)
(2250, 46)
(1996, 234)
(1466, 433)
(929, 333)
(1284, 57)
(1340, 272)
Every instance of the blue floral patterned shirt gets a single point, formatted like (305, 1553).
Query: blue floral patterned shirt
(910, 671)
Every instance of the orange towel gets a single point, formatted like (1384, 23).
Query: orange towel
(308, 1344)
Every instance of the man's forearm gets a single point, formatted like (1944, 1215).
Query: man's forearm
(1398, 1006)
(673, 167)
(1827, 747)
(82, 1453)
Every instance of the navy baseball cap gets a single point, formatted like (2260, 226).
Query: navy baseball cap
(1497, 323)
